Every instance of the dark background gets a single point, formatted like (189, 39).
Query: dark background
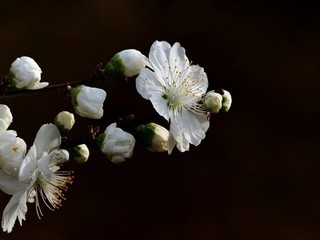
(255, 175)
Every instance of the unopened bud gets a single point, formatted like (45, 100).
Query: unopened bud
(212, 102)
(127, 63)
(226, 101)
(25, 73)
(64, 121)
(153, 136)
(79, 153)
(116, 144)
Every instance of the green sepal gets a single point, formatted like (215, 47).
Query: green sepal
(145, 133)
(11, 79)
(74, 93)
(59, 126)
(115, 66)
(100, 138)
(74, 153)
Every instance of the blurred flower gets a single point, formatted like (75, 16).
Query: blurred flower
(88, 101)
(26, 73)
(212, 101)
(153, 136)
(38, 175)
(226, 100)
(175, 88)
(79, 153)
(126, 63)
(12, 151)
(116, 144)
(64, 121)
(5, 117)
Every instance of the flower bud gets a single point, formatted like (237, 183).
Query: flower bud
(79, 153)
(116, 144)
(25, 73)
(212, 101)
(226, 101)
(5, 117)
(127, 63)
(153, 136)
(64, 121)
(88, 101)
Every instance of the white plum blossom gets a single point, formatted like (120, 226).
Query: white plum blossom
(37, 176)
(116, 144)
(127, 63)
(25, 73)
(5, 117)
(175, 89)
(88, 101)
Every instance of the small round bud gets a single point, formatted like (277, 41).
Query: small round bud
(153, 136)
(127, 63)
(79, 153)
(64, 121)
(212, 101)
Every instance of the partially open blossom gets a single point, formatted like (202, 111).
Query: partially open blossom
(5, 117)
(126, 63)
(88, 101)
(226, 100)
(79, 153)
(116, 144)
(212, 101)
(36, 175)
(64, 121)
(153, 136)
(175, 88)
(25, 73)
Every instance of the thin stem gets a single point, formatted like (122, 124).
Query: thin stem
(8, 91)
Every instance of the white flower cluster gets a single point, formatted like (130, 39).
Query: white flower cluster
(33, 174)
(178, 92)
(176, 88)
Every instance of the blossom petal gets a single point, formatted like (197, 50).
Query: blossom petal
(54, 158)
(196, 74)
(16, 208)
(178, 61)
(147, 81)
(28, 165)
(10, 185)
(37, 85)
(187, 128)
(7, 141)
(47, 138)
(150, 87)
(159, 57)
(195, 126)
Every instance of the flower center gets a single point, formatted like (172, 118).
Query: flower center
(52, 191)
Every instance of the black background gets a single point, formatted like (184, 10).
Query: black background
(255, 175)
